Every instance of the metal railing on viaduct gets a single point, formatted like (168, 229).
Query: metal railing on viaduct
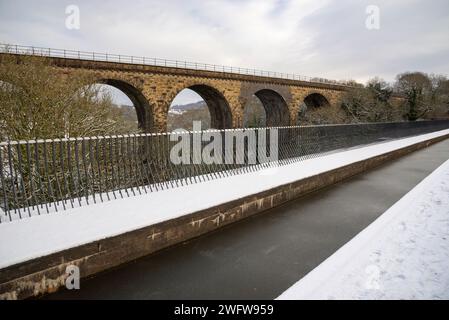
(40, 176)
(108, 57)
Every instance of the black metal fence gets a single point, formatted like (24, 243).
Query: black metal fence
(40, 176)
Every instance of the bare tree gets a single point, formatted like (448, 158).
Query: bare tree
(370, 103)
(439, 96)
(417, 88)
(36, 101)
(320, 115)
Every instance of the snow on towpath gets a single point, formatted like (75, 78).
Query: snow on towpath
(404, 254)
(30, 238)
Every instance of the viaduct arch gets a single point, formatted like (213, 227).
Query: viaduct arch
(153, 88)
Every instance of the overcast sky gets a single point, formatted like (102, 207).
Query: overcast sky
(327, 39)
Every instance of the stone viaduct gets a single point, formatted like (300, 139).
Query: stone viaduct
(153, 88)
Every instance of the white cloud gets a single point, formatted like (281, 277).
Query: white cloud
(315, 38)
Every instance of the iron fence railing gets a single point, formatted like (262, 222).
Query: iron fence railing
(108, 57)
(40, 176)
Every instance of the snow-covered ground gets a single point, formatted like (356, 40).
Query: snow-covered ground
(22, 240)
(404, 254)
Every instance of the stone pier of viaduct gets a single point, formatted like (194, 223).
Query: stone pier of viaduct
(153, 88)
